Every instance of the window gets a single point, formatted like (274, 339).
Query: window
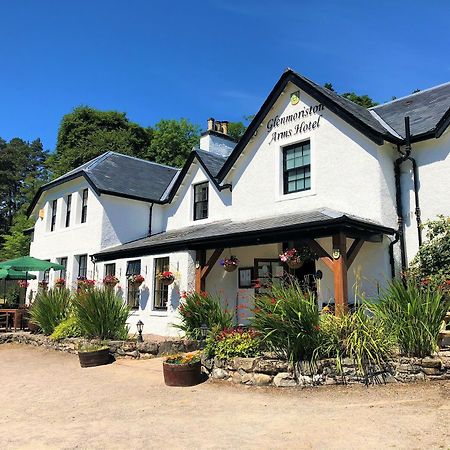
(54, 207)
(82, 266)
(133, 268)
(63, 272)
(268, 271)
(297, 168)
(46, 275)
(84, 199)
(201, 201)
(68, 209)
(161, 291)
(110, 270)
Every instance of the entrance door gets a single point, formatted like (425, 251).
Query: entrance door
(306, 275)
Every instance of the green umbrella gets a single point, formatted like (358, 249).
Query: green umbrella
(10, 274)
(30, 264)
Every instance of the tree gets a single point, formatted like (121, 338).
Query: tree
(15, 242)
(22, 171)
(86, 133)
(172, 141)
(236, 130)
(362, 100)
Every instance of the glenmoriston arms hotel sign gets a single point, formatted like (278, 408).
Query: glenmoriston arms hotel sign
(308, 118)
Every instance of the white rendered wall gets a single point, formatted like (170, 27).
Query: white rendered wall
(433, 160)
(182, 264)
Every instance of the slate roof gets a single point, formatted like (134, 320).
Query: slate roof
(120, 175)
(182, 238)
(425, 110)
(212, 161)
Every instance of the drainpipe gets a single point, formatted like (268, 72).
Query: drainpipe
(399, 236)
(150, 219)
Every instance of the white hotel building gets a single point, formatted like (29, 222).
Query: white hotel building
(312, 169)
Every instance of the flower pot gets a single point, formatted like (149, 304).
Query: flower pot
(295, 264)
(168, 281)
(230, 267)
(95, 358)
(182, 374)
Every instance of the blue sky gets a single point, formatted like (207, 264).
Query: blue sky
(196, 59)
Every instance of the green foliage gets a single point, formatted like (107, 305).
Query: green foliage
(288, 320)
(22, 171)
(414, 316)
(50, 308)
(236, 130)
(89, 347)
(173, 141)
(15, 242)
(362, 100)
(101, 314)
(356, 336)
(86, 133)
(68, 328)
(432, 262)
(13, 295)
(198, 309)
(229, 343)
(187, 358)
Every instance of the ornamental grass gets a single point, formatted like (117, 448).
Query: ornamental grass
(50, 308)
(197, 309)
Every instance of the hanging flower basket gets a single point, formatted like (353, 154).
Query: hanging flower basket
(110, 281)
(295, 258)
(295, 264)
(229, 264)
(166, 277)
(136, 280)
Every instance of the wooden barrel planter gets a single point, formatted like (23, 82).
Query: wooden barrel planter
(95, 358)
(230, 267)
(182, 374)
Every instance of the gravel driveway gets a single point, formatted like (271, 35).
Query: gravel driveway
(48, 401)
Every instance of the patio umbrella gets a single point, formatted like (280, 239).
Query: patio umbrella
(30, 264)
(10, 274)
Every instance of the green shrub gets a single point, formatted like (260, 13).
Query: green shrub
(67, 329)
(414, 316)
(198, 309)
(50, 308)
(101, 314)
(288, 320)
(229, 343)
(356, 336)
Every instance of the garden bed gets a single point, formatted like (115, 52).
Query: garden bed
(261, 371)
(119, 349)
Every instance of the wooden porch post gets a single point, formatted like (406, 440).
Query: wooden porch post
(338, 263)
(340, 273)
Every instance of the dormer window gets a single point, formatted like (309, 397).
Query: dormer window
(201, 201)
(297, 168)
(54, 209)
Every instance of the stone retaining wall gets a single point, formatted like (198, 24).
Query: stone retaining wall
(264, 372)
(120, 349)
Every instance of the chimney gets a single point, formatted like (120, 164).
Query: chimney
(216, 140)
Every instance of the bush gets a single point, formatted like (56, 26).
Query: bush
(356, 336)
(229, 343)
(288, 320)
(432, 262)
(414, 315)
(50, 308)
(101, 314)
(198, 309)
(67, 329)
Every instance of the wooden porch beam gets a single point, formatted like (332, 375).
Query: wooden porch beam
(353, 251)
(211, 261)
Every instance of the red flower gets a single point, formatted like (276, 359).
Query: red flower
(316, 327)
(183, 294)
(273, 301)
